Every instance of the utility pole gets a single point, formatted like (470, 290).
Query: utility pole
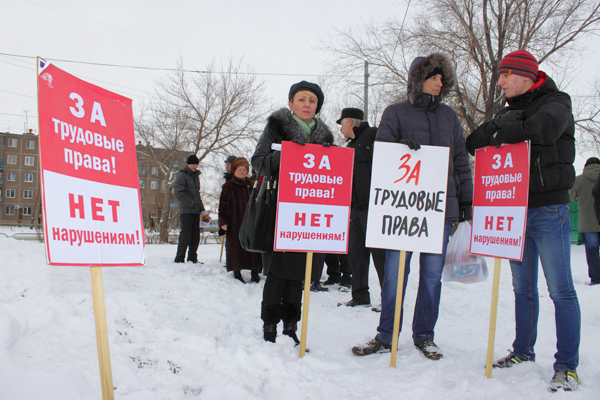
(366, 95)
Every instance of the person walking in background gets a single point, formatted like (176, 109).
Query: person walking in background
(228, 174)
(588, 225)
(423, 119)
(187, 192)
(232, 206)
(285, 271)
(360, 137)
(539, 112)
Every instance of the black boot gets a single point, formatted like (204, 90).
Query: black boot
(255, 277)
(238, 275)
(291, 316)
(271, 315)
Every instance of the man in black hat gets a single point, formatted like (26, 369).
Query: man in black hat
(187, 193)
(228, 175)
(360, 137)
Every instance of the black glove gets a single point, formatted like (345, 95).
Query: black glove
(502, 120)
(222, 232)
(411, 143)
(497, 139)
(326, 144)
(297, 141)
(466, 212)
(275, 159)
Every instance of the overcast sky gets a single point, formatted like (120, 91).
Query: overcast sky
(272, 36)
(277, 39)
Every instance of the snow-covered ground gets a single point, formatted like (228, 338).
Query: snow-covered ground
(193, 332)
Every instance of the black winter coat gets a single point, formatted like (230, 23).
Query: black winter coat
(362, 143)
(187, 191)
(425, 119)
(548, 123)
(232, 206)
(282, 126)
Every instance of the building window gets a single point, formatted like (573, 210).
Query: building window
(152, 199)
(142, 199)
(12, 142)
(142, 169)
(155, 171)
(29, 161)
(28, 194)
(30, 144)
(9, 210)
(154, 185)
(142, 184)
(10, 193)
(28, 177)
(26, 210)
(11, 159)
(11, 176)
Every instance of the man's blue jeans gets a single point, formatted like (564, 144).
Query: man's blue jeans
(548, 236)
(591, 240)
(428, 295)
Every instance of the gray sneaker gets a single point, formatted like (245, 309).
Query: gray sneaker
(372, 347)
(563, 379)
(508, 361)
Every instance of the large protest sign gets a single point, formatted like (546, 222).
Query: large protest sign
(90, 190)
(315, 189)
(407, 201)
(501, 191)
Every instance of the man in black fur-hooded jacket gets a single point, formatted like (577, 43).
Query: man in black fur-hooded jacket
(539, 112)
(282, 293)
(423, 119)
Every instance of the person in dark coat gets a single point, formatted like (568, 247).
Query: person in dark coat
(232, 206)
(360, 138)
(285, 271)
(588, 225)
(423, 119)
(187, 192)
(537, 111)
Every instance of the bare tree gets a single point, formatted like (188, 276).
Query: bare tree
(477, 34)
(208, 113)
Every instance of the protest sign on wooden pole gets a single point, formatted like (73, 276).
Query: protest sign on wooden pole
(500, 196)
(102, 334)
(493, 315)
(90, 186)
(307, 279)
(398, 314)
(407, 207)
(313, 206)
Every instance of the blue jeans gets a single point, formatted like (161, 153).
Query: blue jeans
(428, 295)
(547, 236)
(591, 240)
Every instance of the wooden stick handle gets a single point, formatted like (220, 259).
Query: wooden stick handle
(307, 277)
(493, 315)
(102, 334)
(398, 311)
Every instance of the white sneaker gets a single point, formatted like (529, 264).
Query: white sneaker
(563, 379)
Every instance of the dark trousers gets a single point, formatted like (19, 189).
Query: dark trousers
(359, 257)
(337, 264)
(189, 237)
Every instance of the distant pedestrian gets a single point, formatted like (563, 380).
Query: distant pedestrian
(588, 225)
(187, 193)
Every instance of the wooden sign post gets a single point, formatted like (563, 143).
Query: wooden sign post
(307, 278)
(102, 334)
(398, 313)
(493, 315)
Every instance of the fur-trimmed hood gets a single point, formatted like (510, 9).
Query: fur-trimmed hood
(421, 67)
(284, 125)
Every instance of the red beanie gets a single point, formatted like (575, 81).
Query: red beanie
(520, 62)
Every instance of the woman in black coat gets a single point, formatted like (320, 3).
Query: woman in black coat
(285, 271)
(232, 206)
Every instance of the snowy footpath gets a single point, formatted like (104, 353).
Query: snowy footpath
(184, 331)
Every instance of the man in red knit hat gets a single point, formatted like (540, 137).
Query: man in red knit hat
(537, 111)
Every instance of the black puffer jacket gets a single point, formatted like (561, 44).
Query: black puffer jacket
(187, 191)
(548, 123)
(282, 126)
(425, 119)
(362, 143)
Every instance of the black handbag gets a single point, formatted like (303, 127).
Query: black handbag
(257, 232)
